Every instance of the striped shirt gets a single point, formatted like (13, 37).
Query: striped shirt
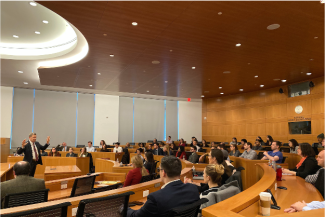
(312, 178)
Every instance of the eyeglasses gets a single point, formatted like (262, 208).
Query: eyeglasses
(159, 169)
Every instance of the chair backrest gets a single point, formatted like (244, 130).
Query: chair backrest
(283, 149)
(284, 159)
(105, 206)
(268, 148)
(285, 144)
(188, 210)
(227, 193)
(319, 184)
(26, 198)
(107, 188)
(80, 146)
(58, 210)
(82, 186)
(146, 178)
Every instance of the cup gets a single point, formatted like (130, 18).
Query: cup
(265, 203)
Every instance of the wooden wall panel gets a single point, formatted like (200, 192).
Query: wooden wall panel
(263, 113)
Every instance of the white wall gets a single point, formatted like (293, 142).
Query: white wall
(190, 120)
(6, 110)
(106, 119)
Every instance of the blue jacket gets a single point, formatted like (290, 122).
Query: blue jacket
(159, 203)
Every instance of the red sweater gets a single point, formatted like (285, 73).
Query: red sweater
(133, 177)
(180, 155)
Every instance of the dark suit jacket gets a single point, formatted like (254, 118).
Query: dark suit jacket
(28, 152)
(193, 158)
(160, 151)
(159, 203)
(308, 167)
(72, 155)
(67, 148)
(21, 184)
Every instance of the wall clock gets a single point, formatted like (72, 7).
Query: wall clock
(298, 109)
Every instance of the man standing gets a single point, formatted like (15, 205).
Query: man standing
(174, 193)
(157, 150)
(31, 149)
(249, 153)
(90, 147)
(193, 158)
(22, 182)
(275, 154)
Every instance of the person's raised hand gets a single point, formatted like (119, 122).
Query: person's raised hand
(23, 143)
(48, 140)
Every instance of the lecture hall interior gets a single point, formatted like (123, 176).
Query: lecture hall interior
(127, 108)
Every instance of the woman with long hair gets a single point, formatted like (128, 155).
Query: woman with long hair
(204, 143)
(134, 176)
(173, 147)
(102, 143)
(269, 140)
(167, 151)
(104, 148)
(83, 152)
(181, 142)
(54, 153)
(308, 164)
(149, 161)
(234, 150)
(181, 154)
(293, 144)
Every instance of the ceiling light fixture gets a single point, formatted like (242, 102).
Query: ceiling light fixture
(104, 34)
(220, 87)
(193, 67)
(155, 62)
(308, 73)
(20, 72)
(202, 95)
(248, 63)
(226, 72)
(45, 21)
(284, 81)
(90, 85)
(25, 83)
(315, 37)
(166, 82)
(15, 36)
(33, 4)
(147, 91)
(241, 89)
(111, 55)
(273, 26)
(134, 23)
(221, 93)
(237, 45)
(98, 73)
(311, 59)
(36, 32)
(220, 13)
(256, 76)
(171, 50)
(261, 85)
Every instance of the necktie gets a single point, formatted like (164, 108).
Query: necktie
(116, 150)
(35, 152)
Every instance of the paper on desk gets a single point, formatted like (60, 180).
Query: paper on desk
(101, 185)
(286, 174)
(107, 182)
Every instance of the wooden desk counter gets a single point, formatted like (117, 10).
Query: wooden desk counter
(6, 171)
(61, 172)
(104, 165)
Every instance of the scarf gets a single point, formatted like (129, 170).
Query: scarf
(300, 162)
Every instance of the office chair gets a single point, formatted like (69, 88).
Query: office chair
(26, 198)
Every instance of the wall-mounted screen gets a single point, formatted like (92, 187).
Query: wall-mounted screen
(301, 127)
(299, 89)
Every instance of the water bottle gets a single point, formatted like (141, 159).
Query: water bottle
(183, 157)
(270, 163)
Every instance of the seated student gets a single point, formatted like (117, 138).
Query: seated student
(269, 140)
(257, 145)
(234, 141)
(83, 152)
(90, 147)
(149, 149)
(173, 147)
(221, 146)
(212, 177)
(275, 154)
(303, 206)
(104, 148)
(71, 154)
(44, 153)
(234, 151)
(202, 158)
(320, 161)
(242, 143)
(169, 140)
(307, 165)
(320, 138)
(139, 152)
(174, 193)
(157, 150)
(64, 147)
(193, 158)
(54, 153)
(193, 139)
(141, 145)
(102, 143)
(293, 144)
(134, 176)
(196, 146)
(181, 142)
(154, 141)
(181, 154)
(149, 161)
(117, 148)
(262, 142)
(249, 153)
(204, 143)
(167, 151)
(22, 182)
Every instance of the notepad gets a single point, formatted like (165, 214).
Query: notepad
(107, 182)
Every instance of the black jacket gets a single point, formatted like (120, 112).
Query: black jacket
(72, 155)
(28, 152)
(308, 167)
(159, 203)
(160, 151)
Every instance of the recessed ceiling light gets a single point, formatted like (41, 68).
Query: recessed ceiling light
(284, 81)
(221, 93)
(111, 55)
(237, 45)
(261, 85)
(166, 82)
(20, 72)
(311, 59)
(134, 23)
(45, 21)
(220, 87)
(36, 32)
(256, 76)
(98, 73)
(147, 91)
(193, 67)
(273, 26)
(202, 95)
(171, 50)
(104, 34)
(90, 85)
(308, 73)
(32, 3)
(25, 83)
(220, 13)
(248, 63)
(226, 72)
(15, 36)
(315, 37)
(155, 62)
(241, 89)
